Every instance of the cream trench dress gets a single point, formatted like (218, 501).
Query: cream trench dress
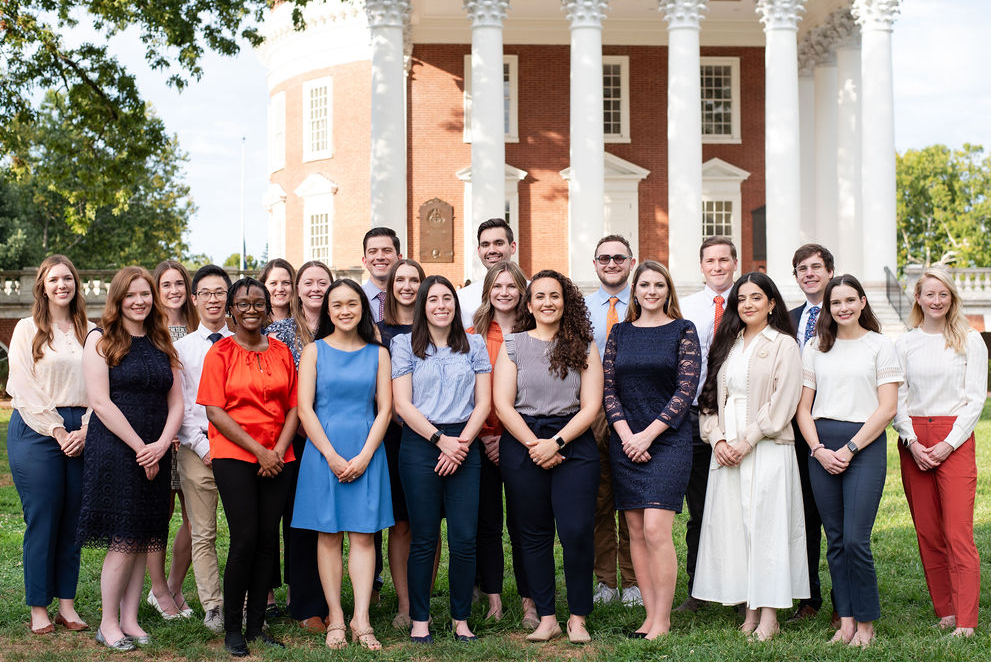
(752, 544)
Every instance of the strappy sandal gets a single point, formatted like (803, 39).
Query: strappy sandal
(366, 637)
(336, 643)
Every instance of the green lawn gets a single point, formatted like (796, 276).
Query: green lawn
(904, 632)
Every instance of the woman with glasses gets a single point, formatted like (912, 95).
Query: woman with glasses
(248, 387)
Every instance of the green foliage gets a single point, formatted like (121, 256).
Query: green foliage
(106, 199)
(250, 262)
(944, 206)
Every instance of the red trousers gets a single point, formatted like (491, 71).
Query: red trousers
(942, 505)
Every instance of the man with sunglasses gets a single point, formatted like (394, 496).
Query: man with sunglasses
(613, 263)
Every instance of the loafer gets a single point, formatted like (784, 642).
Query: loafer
(123, 644)
(578, 635)
(428, 639)
(803, 613)
(313, 624)
(140, 640)
(272, 611)
(47, 629)
(541, 638)
(235, 644)
(263, 638)
(690, 604)
(71, 626)
(461, 638)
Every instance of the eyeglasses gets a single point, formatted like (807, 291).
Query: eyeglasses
(219, 295)
(245, 306)
(605, 259)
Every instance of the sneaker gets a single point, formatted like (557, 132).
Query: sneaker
(214, 620)
(604, 595)
(631, 597)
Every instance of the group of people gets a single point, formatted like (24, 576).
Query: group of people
(335, 408)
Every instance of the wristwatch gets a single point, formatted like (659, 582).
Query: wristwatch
(852, 447)
(435, 438)
(560, 442)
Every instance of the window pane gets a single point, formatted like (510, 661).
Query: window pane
(717, 97)
(320, 237)
(318, 119)
(717, 218)
(612, 99)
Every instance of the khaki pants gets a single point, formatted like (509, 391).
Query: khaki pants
(200, 492)
(607, 549)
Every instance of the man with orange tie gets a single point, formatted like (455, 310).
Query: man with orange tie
(613, 262)
(717, 258)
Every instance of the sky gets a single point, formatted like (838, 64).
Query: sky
(940, 48)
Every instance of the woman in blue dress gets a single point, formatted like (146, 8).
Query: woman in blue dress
(651, 372)
(343, 485)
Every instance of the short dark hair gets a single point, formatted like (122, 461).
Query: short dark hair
(496, 223)
(209, 270)
(805, 251)
(613, 237)
(247, 283)
(717, 240)
(381, 231)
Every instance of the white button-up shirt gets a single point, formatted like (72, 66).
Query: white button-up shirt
(701, 310)
(192, 349)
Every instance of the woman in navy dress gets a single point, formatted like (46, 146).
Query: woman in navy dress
(134, 388)
(651, 365)
(343, 486)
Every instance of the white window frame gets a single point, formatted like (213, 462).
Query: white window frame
(721, 181)
(474, 269)
(310, 154)
(624, 135)
(274, 203)
(277, 132)
(734, 64)
(317, 193)
(513, 135)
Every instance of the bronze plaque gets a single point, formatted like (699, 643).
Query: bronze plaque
(436, 231)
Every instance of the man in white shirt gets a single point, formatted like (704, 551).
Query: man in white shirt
(380, 250)
(613, 260)
(812, 266)
(209, 287)
(717, 259)
(495, 245)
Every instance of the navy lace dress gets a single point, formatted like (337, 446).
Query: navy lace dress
(652, 373)
(121, 509)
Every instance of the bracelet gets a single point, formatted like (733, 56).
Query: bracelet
(907, 443)
(812, 453)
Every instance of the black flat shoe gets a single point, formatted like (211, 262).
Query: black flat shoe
(272, 611)
(461, 638)
(263, 638)
(637, 635)
(235, 645)
(428, 639)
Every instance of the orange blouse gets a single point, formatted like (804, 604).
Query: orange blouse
(493, 341)
(255, 388)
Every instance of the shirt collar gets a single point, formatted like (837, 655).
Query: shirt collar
(204, 332)
(623, 295)
(768, 332)
(712, 294)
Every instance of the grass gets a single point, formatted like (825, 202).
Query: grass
(904, 631)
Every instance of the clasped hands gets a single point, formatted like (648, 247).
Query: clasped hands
(544, 453)
(930, 458)
(148, 456)
(635, 445)
(347, 471)
(71, 443)
(453, 451)
(730, 455)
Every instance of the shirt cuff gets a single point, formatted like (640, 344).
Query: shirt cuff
(956, 437)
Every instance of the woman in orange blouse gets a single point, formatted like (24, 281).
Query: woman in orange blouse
(501, 310)
(249, 390)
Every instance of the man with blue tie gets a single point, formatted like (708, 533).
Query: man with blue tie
(812, 266)
(380, 249)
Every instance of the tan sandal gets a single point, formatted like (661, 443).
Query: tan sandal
(366, 637)
(334, 642)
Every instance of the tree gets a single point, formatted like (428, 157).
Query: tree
(944, 206)
(250, 263)
(134, 211)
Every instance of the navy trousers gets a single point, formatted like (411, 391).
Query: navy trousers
(49, 484)
(848, 504)
(540, 498)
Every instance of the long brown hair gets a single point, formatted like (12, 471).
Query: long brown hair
(826, 326)
(574, 332)
(43, 316)
(957, 326)
(420, 339)
(485, 312)
(391, 307)
(272, 265)
(304, 335)
(671, 307)
(116, 341)
(189, 314)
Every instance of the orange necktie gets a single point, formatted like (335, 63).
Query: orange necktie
(611, 316)
(718, 300)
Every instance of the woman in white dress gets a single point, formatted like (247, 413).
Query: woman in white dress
(752, 545)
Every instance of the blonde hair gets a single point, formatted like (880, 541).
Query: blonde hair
(957, 326)
(671, 307)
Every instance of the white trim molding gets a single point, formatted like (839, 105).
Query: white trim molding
(721, 182)
(317, 193)
(474, 269)
(274, 203)
(277, 132)
(512, 107)
(624, 97)
(734, 137)
(316, 147)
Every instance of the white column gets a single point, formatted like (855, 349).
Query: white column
(585, 201)
(488, 137)
(684, 137)
(806, 119)
(781, 134)
(849, 214)
(878, 145)
(825, 140)
(386, 19)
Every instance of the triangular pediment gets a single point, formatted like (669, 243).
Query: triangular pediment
(512, 174)
(615, 168)
(719, 170)
(315, 184)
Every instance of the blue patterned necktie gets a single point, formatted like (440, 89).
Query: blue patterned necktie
(810, 326)
(214, 337)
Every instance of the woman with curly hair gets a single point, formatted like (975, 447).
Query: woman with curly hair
(651, 366)
(547, 391)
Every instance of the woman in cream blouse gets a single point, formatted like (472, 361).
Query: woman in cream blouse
(752, 545)
(46, 436)
(946, 383)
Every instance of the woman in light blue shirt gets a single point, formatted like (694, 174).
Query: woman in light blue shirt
(443, 407)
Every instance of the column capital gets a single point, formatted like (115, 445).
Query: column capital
(387, 13)
(780, 14)
(822, 41)
(876, 14)
(683, 13)
(486, 13)
(585, 13)
(807, 55)
(843, 29)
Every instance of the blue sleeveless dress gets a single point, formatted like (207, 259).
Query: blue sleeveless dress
(345, 404)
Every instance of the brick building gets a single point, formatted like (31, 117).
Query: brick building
(665, 121)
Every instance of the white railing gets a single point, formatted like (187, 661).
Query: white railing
(973, 283)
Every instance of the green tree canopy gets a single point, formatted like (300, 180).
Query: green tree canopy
(944, 206)
(250, 262)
